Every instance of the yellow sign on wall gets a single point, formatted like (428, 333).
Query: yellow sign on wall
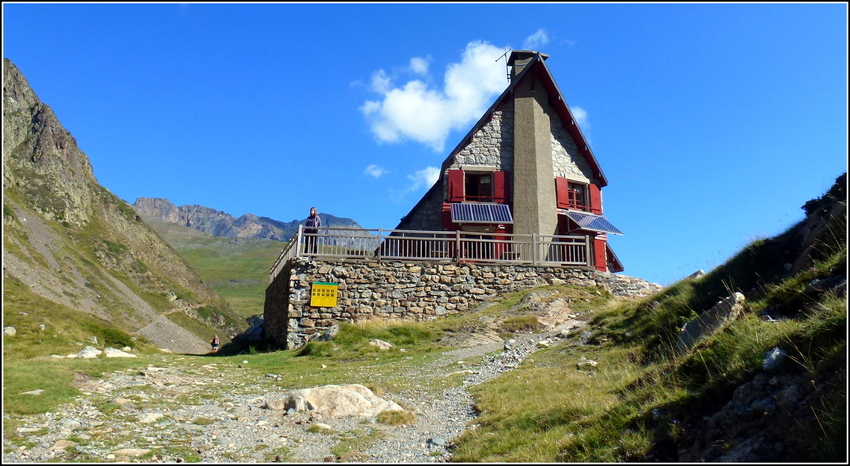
(324, 294)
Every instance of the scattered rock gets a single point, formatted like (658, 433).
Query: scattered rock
(116, 353)
(710, 321)
(437, 442)
(62, 445)
(150, 417)
(329, 334)
(89, 352)
(133, 452)
(773, 358)
(585, 363)
(381, 344)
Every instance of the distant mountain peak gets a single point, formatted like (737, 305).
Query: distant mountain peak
(219, 223)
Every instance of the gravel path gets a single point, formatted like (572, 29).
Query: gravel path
(177, 414)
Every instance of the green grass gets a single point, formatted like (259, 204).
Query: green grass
(527, 323)
(65, 331)
(54, 377)
(237, 270)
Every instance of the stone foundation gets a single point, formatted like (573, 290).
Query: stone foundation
(409, 290)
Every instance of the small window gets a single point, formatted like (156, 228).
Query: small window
(478, 187)
(577, 196)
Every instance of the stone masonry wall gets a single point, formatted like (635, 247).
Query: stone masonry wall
(566, 160)
(409, 290)
(493, 144)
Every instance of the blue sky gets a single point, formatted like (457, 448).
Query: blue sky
(714, 123)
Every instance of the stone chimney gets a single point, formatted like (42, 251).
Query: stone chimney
(520, 58)
(535, 207)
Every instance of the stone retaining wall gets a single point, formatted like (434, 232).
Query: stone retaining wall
(409, 290)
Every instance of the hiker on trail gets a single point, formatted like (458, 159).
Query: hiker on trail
(214, 344)
(311, 227)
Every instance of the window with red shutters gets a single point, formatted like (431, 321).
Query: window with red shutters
(469, 186)
(571, 195)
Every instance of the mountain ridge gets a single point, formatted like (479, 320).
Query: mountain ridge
(219, 223)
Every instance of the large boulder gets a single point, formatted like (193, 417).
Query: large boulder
(335, 400)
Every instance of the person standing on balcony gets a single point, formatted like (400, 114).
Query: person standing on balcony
(311, 228)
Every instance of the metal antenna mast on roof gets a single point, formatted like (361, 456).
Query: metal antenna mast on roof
(505, 56)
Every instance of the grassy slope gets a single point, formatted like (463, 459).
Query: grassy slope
(236, 269)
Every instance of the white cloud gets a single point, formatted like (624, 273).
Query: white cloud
(423, 178)
(536, 40)
(381, 83)
(420, 65)
(375, 171)
(418, 112)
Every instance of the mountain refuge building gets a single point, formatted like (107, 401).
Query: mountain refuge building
(524, 168)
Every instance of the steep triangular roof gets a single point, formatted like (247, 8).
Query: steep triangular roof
(536, 68)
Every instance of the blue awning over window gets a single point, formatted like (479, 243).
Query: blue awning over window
(593, 222)
(468, 212)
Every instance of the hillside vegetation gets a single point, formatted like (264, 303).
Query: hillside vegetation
(77, 259)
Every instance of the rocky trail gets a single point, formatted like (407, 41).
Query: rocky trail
(204, 413)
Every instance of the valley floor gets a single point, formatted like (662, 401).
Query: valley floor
(208, 413)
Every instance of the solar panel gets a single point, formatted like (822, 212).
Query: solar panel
(464, 212)
(593, 222)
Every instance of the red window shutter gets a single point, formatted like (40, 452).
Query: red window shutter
(562, 192)
(599, 255)
(595, 199)
(455, 191)
(501, 185)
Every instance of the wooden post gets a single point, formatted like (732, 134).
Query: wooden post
(534, 247)
(299, 240)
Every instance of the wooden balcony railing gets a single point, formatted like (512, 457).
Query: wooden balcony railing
(448, 246)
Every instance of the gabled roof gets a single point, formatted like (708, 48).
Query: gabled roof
(537, 68)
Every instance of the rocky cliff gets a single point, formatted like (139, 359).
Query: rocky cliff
(72, 242)
(218, 223)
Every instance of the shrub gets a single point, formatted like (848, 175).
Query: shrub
(396, 418)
